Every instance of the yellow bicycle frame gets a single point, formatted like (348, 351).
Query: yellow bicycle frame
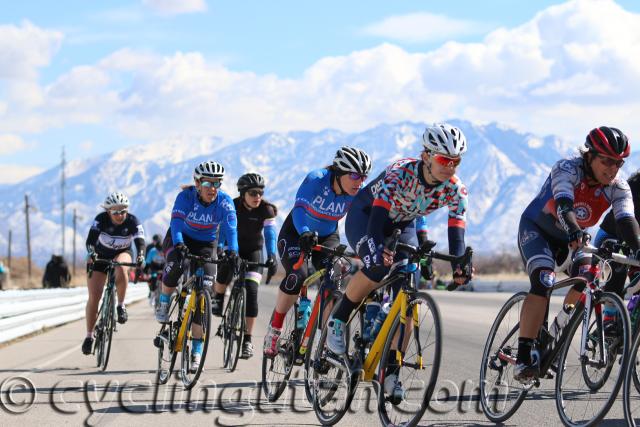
(185, 320)
(375, 352)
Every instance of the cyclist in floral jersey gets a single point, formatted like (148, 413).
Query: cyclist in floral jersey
(575, 195)
(405, 192)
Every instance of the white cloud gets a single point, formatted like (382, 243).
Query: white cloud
(10, 144)
(422, 27)
(26, 48)
(176, 7)
(10, 174)
(548, 75)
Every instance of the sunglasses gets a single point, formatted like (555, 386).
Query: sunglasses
(609, 162)
(209, 184)
(357, 176)
(447, 161)
(255, 193)
(120, 212)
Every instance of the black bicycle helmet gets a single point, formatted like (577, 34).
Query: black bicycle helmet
(250, 180)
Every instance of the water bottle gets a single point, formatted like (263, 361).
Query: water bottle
(561, 320)
(377, 324)
(633, 311)
(369, 318)
(304, 312)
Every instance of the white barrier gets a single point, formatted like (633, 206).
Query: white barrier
(26, 311)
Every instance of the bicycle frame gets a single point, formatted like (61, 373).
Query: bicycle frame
(195, 283)
(400, 306)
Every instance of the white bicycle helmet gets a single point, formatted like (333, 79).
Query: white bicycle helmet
(350, 159)
(117, 198)
(444, 139)
(208, 169)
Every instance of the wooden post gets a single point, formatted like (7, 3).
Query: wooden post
(9, 252)
(26, 212)
(75, 218)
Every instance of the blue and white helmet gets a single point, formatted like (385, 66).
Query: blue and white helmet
(444, 139)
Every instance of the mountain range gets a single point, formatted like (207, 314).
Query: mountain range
(503, 170)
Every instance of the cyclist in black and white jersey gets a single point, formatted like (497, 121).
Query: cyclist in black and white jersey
(110, 237)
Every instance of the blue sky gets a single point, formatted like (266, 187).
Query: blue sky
(97, 76)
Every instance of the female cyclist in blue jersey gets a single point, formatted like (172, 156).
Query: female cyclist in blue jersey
(406, 191)
(322, 200)
(574, 196)
(198, 212)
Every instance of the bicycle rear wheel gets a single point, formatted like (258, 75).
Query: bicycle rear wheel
(203, 305)
(165, 342)
(276, 370)
(500, 394)
(577, 403)
(420, 365)
(234, 329)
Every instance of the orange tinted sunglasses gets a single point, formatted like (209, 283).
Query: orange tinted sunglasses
(447, 161)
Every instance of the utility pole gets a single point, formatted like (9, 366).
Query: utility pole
(75, 219)
(9, 252)
(26, 212)
(63, 207)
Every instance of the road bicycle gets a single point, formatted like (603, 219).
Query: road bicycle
(233, 325)
(296, 344)
(412, 329)
(588, 365)
(191, 302)
(106, 324)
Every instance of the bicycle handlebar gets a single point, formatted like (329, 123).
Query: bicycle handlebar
(618, 258)
(338, 251)
(111, 263)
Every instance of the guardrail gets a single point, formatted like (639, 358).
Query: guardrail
(26, 311)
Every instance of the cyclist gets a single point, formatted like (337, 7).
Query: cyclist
(256, 216)
(110, 237)
(198, 212)
(154, 262)
(322, 200)
(574, 196)
(406, 190)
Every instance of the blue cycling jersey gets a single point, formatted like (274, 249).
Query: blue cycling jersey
(191, 217)
(317, 207)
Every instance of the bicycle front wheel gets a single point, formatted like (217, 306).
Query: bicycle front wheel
(107, 327)
(233, 333)
(314, 339)
(630, 391)
(578, 403)
(189, 373)
(276, 370)
(405, 388)
(330, 378)
(500, 394)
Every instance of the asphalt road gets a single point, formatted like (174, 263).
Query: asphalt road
(47, 381)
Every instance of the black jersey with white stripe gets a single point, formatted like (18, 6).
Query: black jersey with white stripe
(109, 239)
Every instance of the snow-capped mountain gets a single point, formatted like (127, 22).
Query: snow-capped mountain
(503, 171)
